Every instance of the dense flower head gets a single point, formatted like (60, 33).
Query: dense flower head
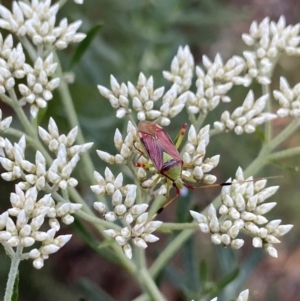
(37, 20)
(246, 117)
(269, 39)
(125, 208)
(243, 209)
(214, 84)
(288, 99)
(4, 125)
(58, 175)
(182, 69)
(124, 146)
(38, 88)
(140, 234)
(21, 225)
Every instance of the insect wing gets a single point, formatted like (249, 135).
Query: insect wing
(153, 149)
(157, 142)
(165, 142)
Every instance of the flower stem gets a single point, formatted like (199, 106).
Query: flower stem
(66, 98)
(285, 153)
(169, 252)
(13, 272)
(268, 128)
(147, 282)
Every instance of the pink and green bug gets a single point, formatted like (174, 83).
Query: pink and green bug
(163, 153)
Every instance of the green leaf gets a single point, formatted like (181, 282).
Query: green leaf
(228, 279)
(260, 134)
(41, 114)
(15, 295)
(188, 258)
(84, 45)
(203, 271)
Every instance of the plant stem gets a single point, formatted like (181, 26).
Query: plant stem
(169, 252)
(66, 98)
(168, 227)
(285, 153)
(268, 128)
(284, 134)
(13, 272)
(147, 282)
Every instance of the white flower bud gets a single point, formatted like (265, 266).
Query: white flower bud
(49, 249)
(110, 216)
(61, 240)
(283, 229)
(198, 217)
(216, 239)
(127, 251)
(27, 241)
(225, 239)
(271, 250)
(237, 243)
(140, 243)
(264, 208)
(38, 263)
(5, 235)
(34, 253)
(120, 240)
(120, 209)
(243, 296)
(233, 231)
(68, 219)
(139, 209)
(233, 213)
(106, 157)
(204, 227)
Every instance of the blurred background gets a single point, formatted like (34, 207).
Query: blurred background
(143, 36)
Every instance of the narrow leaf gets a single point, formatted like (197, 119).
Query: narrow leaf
(84, 45)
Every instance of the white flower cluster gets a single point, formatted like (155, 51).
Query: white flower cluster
(143, 97)
(213, 85)
(140, 234)
(269, 39)
(243, 296)
(246, 117)
(54, 141)
(172, 104)
(243, 208)
(113, 186)
(4, 125)
(182, 69)
(21, 225)
(125, 147)
(59, 172)
(126, 210)
(37, 20)
(12, 61)
(288, 98)
(196, 167)
(38, 89)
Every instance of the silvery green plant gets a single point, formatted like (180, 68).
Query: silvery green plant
(45, 194)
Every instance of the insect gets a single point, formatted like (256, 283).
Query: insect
(163, 153)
